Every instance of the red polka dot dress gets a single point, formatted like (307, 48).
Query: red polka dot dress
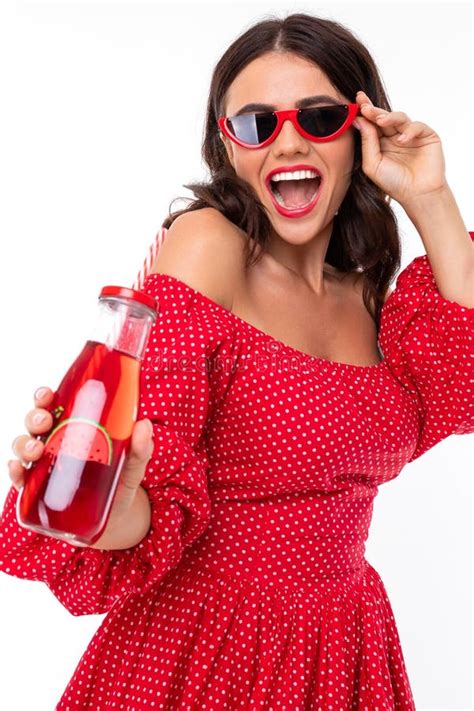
(251, 589)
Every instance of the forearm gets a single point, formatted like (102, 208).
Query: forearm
(448, 245)
(132, 529)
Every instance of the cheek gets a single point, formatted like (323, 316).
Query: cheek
(340, 160)
(248, 166)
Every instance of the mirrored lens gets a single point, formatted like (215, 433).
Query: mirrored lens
(323, 121)
(252, 128)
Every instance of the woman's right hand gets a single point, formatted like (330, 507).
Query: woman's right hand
(39, 421)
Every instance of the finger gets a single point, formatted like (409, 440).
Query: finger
(16, 472)
(38, 421)
(382, 117)
(364, 124)
(390, 123)
(27, 448)
(368, 112)
(141, 449)
(370, 141)
(363, 98)
(416, 129)
(43, 397)
(367, 106)
(394, 121)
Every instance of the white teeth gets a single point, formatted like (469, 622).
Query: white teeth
(279, 198)
(295, 175)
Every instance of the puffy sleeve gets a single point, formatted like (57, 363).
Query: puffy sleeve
(427, 341)
(174, 395)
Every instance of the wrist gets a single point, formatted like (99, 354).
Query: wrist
(425, 204)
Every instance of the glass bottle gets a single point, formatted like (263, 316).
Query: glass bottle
(68, 492)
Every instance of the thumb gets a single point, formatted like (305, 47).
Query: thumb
(141, 449)
(371, 155)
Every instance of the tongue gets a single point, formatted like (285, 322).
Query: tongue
(296, 193)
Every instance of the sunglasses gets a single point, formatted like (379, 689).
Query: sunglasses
(256, 130)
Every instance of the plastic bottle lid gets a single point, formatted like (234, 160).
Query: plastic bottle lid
(134, 294)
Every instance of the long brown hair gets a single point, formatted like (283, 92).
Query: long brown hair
(365, 232)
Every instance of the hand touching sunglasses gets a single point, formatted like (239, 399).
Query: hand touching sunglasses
(256, 130)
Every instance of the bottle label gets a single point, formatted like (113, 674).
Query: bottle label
(79, 437)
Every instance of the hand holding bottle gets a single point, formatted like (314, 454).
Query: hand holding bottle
(133, 470)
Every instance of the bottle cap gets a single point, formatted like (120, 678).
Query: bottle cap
(134, 294)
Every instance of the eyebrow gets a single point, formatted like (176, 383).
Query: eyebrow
(301, 104)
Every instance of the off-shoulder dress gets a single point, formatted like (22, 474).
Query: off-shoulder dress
(251, 589)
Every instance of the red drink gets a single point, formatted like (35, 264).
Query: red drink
(68, 492)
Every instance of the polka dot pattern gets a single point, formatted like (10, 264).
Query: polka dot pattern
(428, 342)
(251, 589)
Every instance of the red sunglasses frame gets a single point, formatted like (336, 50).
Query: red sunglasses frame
(291, 114)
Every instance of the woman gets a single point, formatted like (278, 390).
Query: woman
(232, 567)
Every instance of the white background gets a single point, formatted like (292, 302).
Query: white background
(102, 110)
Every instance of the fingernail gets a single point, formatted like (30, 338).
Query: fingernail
(39, 418)
(356, 123)
(150, 426)
(29, 446)
(40, 393)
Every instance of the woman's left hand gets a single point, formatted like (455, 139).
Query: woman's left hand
(407, 169)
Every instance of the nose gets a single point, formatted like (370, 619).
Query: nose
(289, 139)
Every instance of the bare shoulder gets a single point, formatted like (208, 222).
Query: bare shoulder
(206, 251)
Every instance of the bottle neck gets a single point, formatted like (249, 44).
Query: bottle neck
(124, 325)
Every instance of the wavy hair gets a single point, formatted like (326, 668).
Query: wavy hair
(365, 234)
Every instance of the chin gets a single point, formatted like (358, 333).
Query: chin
(300, 231)
(295, 234)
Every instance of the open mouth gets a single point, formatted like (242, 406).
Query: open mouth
(295, 194)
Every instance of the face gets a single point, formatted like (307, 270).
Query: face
(280, 79)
